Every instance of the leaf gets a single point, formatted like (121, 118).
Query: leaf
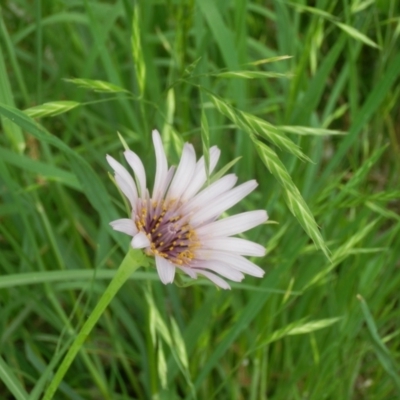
(46, 371)
(162, 366)
(137, 53)
(313, 10)
(51, 109)
(359, 6)
(179, 345)
(269, 60)
(11, 382)
(370, 106)
(252, 74)
(355, 34)
(254, 125)
(180, 354)
(365, 168)
(312, 326)
(248, 313)
(299, 327)
(381, 351)
(340, 254)
(294, 200)
(45, 170)
(12, 131)
(190, 68)
(306, 130)
(91, 184)
(224, 170)
(305, 105)
(205, 140)
(360, 175)
(221, 33)
(73, 275)
(97, 85)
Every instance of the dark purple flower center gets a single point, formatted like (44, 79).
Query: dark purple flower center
(170, 234)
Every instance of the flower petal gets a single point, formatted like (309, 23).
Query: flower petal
(179, 207)
(161, 166)
(164, 186)
(214, 278)
(222, 269)
(215, 153)
(210, 193)
(140, 241)
(125, 225)
(136, 164)
(234, 260)
(233, 225)
(165, 269)
(234, 245)
(124, 180)
(184, 173)
(189, 271)
(222, 203)
(200, 177)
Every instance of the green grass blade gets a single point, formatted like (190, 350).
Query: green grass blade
(92, 185)
(132, 261)
(253, 125)
(11, 381)
(243, 320)
(306, 130)
(355, 34)
(251, 75)
(51, 109)
(222, 34)
(370, 106)
(205, 140)
(13, 132)
(294, 200)
(300, 327)
(137, 53)
(381, 351)
(97, 85)
(45, 170)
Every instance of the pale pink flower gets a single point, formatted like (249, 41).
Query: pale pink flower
(178, 224)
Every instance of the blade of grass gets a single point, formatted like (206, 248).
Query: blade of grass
(132, 261)
(11, 382)
(381, 351)
(370, 106)
(12, 131)
(92, 185)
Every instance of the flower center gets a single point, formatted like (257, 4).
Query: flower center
(170, 234)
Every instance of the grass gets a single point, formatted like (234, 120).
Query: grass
(305, 93)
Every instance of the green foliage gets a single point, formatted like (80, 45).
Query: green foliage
(301, 96)
(51, 109)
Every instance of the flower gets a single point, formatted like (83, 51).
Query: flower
(178, 224)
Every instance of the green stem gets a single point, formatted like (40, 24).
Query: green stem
(132, 261)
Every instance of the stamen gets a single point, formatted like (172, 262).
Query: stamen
(169, 233)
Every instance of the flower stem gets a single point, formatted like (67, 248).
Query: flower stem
(132, 261)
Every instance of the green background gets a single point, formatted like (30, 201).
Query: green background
(305, 93)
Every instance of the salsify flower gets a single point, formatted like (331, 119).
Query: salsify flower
(178, 224)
